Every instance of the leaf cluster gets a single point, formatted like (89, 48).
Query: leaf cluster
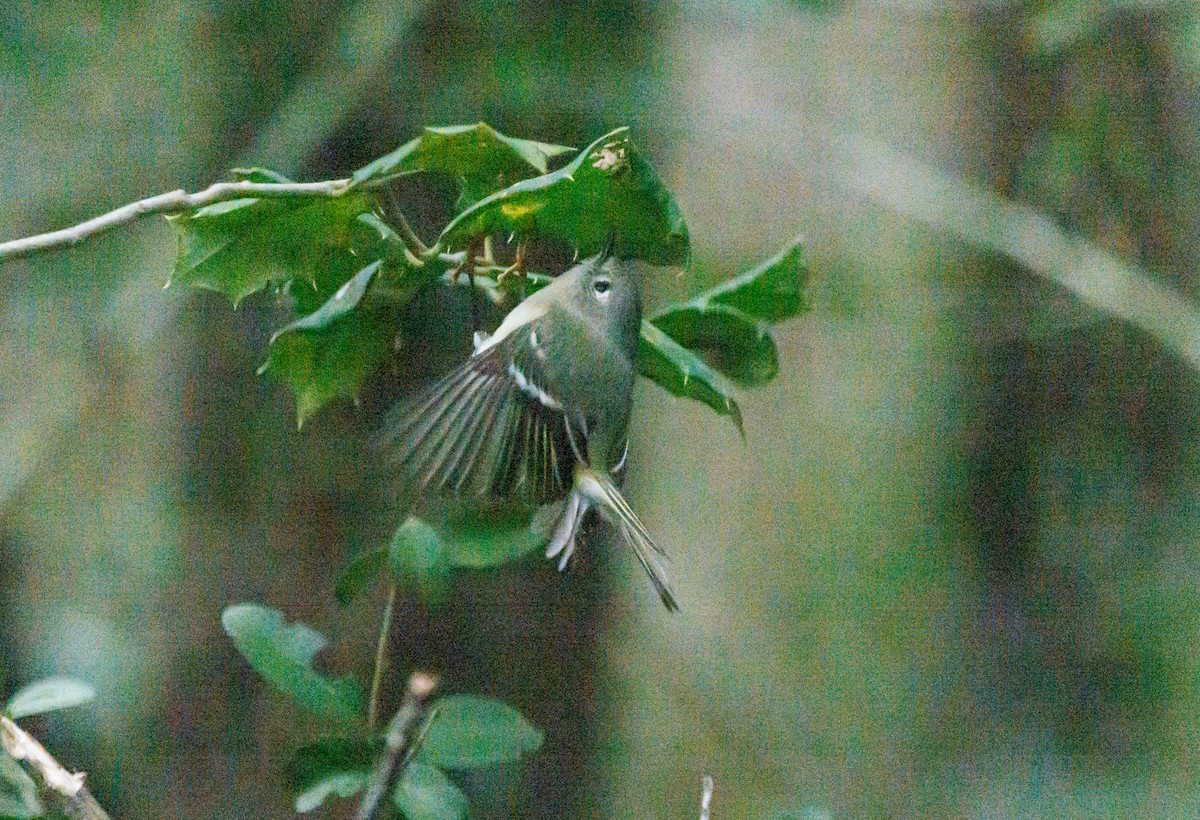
(349, 273)
(462, 732)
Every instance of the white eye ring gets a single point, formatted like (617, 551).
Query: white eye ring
(601, 286)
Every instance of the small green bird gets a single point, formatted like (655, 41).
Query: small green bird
(539, 413)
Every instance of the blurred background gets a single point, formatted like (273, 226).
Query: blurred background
(954, 570)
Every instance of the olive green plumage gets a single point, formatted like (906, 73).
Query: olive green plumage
(539, 413)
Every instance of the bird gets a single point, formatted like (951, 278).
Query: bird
(539, 413)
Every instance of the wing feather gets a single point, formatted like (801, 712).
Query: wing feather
(492, 428)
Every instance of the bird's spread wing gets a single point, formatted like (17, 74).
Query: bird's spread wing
(493, 428)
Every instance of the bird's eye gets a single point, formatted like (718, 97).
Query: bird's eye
(601, 286)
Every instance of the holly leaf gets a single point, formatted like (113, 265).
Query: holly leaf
(608, 188)
(771, 291)
(334, 766)
(468, 731)
(49, 695)
(683, 373)
(283, 656)
(331, 351)
(479, 156)
(732, 342)
(425, 793)
(241, 246)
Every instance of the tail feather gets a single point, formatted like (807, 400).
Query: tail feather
(612, 505)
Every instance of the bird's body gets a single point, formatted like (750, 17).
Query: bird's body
(539, 413)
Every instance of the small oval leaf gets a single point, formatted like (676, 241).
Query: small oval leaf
(468, 731)
(417, 552)
(49, 695)
(424, 793)
(334, 766)
(480, 538)
(283, 656)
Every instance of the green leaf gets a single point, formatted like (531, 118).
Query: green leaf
(256, 174)
(468, 731)
(483, 159)
(334, 766)
(772, 291)
(608, 188)
(283, 655)
(732, 342)
(49, 695)
(241, 246)
(485, 537)
(682, 373)
(417, 552)
(424, 793)
(18, 793)
(330, 352)
(355, 578)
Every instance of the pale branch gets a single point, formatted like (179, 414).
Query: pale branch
(400, 744)
(172, 202)
(706, 797)
(76, 801)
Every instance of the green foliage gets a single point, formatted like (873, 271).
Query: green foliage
(283, 655)
(333, 766)
(463, 731)
(684, 373)
(469, 731)
(329, 352)
(418, 553)
(425, 793)
(349, 274)
(241, 246)
(608, 188)
(49, 695)
(361, 572)
(485, 538)
(481, 158)
(426, 551)
(18, 793)
(725, 331)
(771, 292)
(735, 344)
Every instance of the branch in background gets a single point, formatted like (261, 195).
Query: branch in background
(946, 203)
(172, 202)
(400, 744)
(706, 797)
(77, 802)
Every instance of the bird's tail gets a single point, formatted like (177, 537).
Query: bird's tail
(600, 490)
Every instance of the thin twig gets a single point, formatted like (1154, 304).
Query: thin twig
(77, 802)
(400, 744)
(381, 650)
(706, 786)
(403, 227)
(172, 202)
